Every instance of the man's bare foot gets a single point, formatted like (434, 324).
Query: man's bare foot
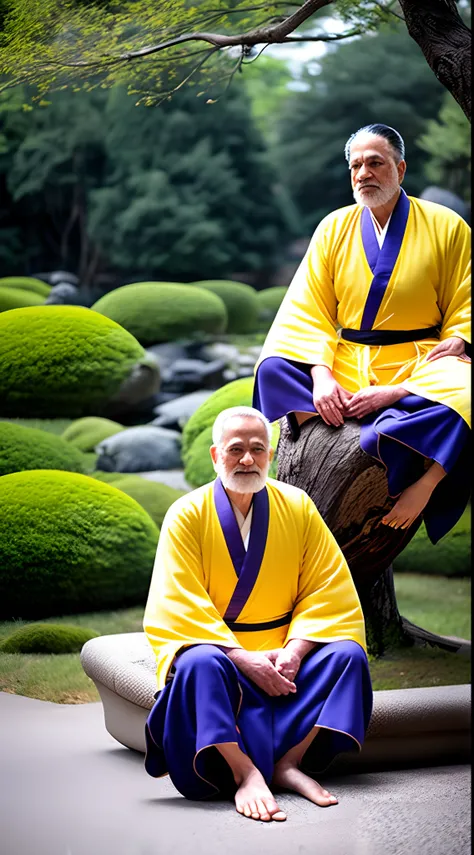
(414, 499)
(254, 800)
(291, 778)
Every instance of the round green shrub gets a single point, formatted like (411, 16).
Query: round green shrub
(26, 283)
(13, 298)
(199, 468)
(154, 497)
(155, 312)
(69, 544)
(240, 301)
(65, 360)
(451, 556)
(269, 301)
(47, 638)
(87, 432)
(24, 448)
(238, 393)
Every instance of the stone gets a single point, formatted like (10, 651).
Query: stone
(448, 199)
(54, 277)
(190, 375)
(142, 384)
(176, 413)
(220, 350)
(64, 293)
(140, 449)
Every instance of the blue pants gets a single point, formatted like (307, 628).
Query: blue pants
(209, 701)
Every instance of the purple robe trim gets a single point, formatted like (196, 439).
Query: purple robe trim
(382, 261)
(247, 564)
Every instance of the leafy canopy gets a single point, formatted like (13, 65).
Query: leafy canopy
(55, 43)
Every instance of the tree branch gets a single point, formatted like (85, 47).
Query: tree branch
(274, 34)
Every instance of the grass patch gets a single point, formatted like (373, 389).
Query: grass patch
(439, 604)
(56, 426)
(419, 666)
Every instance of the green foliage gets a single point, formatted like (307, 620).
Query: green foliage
(28, 448)
(14, 298)
(160, 311)
(85, 185)
(447, 140)
(47, 638)
(69, 543)
(237, 393)
(155, 498)
(450, 557)
(199, 468)
(65, 360)
(54, 426)
(269, 301)
(380, 77)
(240, 301)
(87, 432)
(26, 283)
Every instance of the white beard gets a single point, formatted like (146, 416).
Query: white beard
(375, 198)
(250, 483)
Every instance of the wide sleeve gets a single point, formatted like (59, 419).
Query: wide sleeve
(454, 298)
(304, 328)
(179, 611)
(327, 607)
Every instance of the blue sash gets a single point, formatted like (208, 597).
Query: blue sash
(382, 261)
(246, 563)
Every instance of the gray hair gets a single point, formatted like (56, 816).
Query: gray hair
(234, 412)
(392, 136)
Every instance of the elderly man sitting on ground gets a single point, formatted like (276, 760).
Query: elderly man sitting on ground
(258, 634)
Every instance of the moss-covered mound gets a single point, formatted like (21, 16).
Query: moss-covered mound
(47, 638)
(240, 301)
(160, 311)
(269, 301)
(235, 394)
(29, 448)
(13, 298)
(199, 469)
(155, 498)
(451, 556)
(62, 360)
(86, 433)
(26, 283)
(69, 544)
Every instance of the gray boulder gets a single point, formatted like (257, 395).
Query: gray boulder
(229, 353)
(57, 276)
(190, 375)
(140, 449)
(141, 385)
(63, 294)
(176, 413)
(448, 199)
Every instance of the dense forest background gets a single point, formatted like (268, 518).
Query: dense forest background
(203, 188)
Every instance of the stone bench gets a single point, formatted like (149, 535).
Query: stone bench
(424, 727)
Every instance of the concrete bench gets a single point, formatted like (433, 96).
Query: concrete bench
(424, 727)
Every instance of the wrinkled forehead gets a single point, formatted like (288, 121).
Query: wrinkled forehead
(367, 145)
(244, 429)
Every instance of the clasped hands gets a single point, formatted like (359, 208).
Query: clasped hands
(272, 670)
(333, 402)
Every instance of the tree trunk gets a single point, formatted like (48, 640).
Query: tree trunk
(350, 490)
(440, 32)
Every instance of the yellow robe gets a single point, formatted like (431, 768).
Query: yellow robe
(303, 570)
(430, 285)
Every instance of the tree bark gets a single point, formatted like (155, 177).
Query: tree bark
(350, 490)
(445, 40)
